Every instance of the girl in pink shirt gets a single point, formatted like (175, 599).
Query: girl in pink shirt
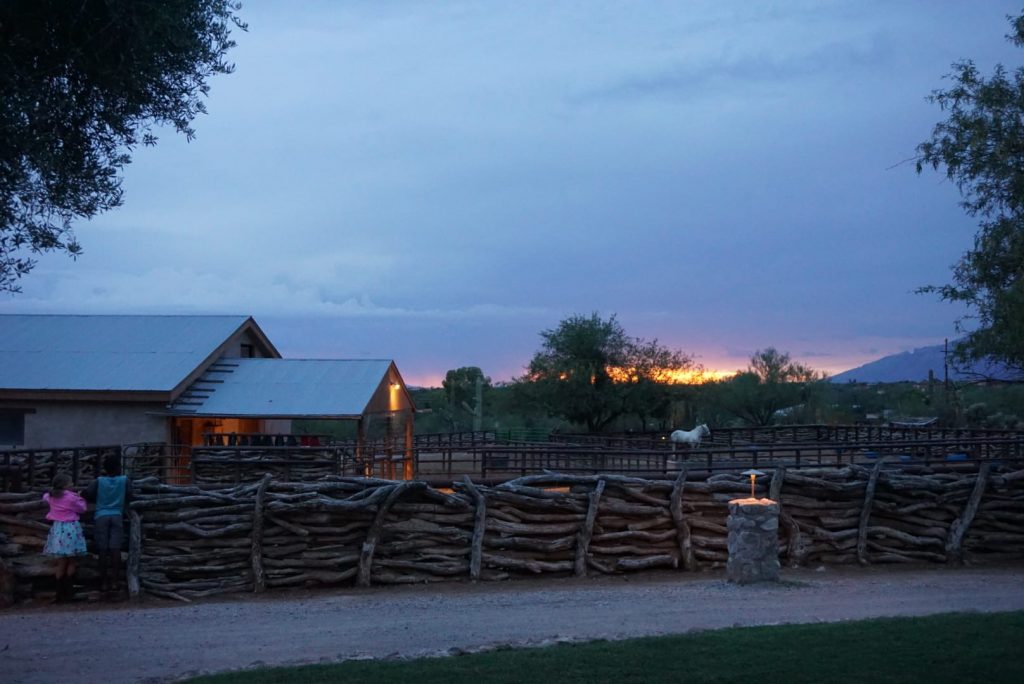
(65, 540)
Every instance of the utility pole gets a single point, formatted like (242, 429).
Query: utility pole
(945, 365)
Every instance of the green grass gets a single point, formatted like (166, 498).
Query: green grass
(961, 648)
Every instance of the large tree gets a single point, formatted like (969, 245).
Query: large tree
(81, 84)
(772, 383)
(466, 390)
(649, 380)
(980, 146)
(590, 372)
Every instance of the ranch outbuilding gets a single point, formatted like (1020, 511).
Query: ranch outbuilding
(70, 381)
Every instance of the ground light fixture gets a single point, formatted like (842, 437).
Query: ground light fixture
(754, 474)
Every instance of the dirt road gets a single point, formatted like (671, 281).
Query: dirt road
(160, 642)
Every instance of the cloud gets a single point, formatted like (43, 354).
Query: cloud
(186, 290)
(708, 77)
(816, 354)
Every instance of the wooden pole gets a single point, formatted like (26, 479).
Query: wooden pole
(259, 580)
(361, 446)
(865, 514)
(778, 477)
(794, 547)
(389, 446)
(479, 528)
(587, 531)
(683, 533)
(408, 466)
(134, 553)
(958, 530)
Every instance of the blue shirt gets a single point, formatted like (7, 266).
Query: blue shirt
(110, 495)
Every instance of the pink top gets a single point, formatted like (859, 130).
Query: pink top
(66, 507)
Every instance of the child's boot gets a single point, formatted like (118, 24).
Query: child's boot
(69, 588)
(104, 573)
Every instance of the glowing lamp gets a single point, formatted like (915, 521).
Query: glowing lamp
(753, 479)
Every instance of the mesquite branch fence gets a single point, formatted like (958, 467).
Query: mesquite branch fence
(188, 542)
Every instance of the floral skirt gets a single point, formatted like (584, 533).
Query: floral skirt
(65, 539)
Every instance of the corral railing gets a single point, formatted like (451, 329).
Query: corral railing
(431, 439)
(497, 462)
(489, 461)
(790, 434)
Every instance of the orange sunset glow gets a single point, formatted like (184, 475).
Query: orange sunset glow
(673, 376)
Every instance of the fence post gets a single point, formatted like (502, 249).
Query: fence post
(865, 513)
(479, 528)
(134, 554)
(259, 580)
(958, 530)
(585, 533)
(682, 525)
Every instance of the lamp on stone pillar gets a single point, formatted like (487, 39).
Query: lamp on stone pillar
(754, 474)
(753, 537)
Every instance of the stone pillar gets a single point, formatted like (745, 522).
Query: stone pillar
(753, 526)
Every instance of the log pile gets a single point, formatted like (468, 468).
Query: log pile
(191, 542)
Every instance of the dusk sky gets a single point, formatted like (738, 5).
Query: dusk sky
(439, 182)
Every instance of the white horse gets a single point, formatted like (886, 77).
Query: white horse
(689, 437)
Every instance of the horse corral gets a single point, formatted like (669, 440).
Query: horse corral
(487, 507)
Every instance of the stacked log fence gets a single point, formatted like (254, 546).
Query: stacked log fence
(190, 542)
(230, 466)
(22, 469)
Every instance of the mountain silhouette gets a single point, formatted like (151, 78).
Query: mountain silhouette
(913, 366)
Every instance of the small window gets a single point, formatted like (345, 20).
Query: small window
(12, 428)
(248, 351)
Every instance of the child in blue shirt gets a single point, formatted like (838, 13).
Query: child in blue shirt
(111, 492)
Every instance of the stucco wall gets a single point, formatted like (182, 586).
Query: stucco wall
(276, 426)
(61, 424)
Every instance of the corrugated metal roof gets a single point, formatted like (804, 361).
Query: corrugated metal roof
(285, 388)
(110, 353)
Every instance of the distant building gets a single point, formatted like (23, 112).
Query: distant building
(69, 381)
(928, 421)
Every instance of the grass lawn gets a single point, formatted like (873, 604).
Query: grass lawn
(960, 647)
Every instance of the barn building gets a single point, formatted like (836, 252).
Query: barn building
(70, 381)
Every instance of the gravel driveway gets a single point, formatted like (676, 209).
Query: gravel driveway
(158, 641)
